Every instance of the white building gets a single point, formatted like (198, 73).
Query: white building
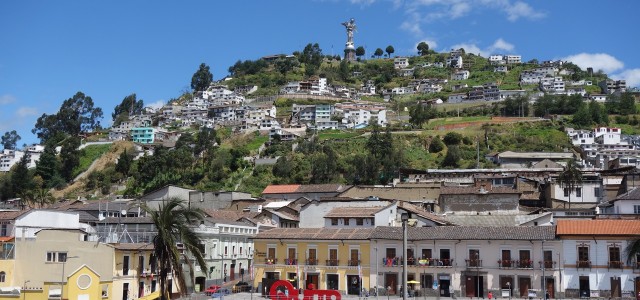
(513, 59)
(460, 75)
(400, 62)
(594, 263)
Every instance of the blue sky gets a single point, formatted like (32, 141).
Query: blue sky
(49, 50)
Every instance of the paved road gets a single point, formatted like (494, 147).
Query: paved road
(256, 296)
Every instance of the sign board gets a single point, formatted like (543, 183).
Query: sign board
(595, 293)
(506, 293)
(532, 293)
(284, 290)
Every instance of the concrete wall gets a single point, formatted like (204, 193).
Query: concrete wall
(478, 202)
(312, 214)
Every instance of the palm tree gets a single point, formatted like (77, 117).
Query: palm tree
(633, 250)
(172, 221)
(570, 178)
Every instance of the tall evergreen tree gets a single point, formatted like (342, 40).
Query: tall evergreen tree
(201, 79)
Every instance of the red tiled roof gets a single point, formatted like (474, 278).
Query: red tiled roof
(281, 189)
(6, 238)
(598, 227)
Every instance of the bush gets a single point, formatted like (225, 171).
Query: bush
(452, 138)
(436, 145)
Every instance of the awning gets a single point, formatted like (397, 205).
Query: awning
(152, 296)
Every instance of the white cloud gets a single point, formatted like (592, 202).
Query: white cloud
(6, 99)
(156, 105)
(460, 9)
(412, 27)
(498, 46)
(501, 44)
(519, 10)
(26, 111)
(632, 76)
(597, 61)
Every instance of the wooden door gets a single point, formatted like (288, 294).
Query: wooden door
(506, 258)
(551, 287)
(524, 284)
(615, 287)
(354, 257)
(470, 286)
(312, 257)
(390, 282)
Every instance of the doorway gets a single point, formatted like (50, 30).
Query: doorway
(312, 281)
(615, 287)
(444, 286)
(524, 284)
(585, 289)
(333, 282)
(232, 276)
(353, 285)
(551, 287)
(390, 281)
(200, 284)
(474, 286)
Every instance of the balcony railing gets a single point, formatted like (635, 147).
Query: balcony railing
(420, 262)
(473, 263)
(548, 264)
(291, 261)
(271, 261)
(525, 264)
(505, 264)
(311, 262)
(333, 262)
(354, 262)
(615, 264)
(584, 264)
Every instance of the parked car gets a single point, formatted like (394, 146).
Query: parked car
(221, 292)
(211, 289)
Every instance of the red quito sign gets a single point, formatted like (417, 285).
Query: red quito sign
(291, 293)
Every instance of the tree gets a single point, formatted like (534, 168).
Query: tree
(360, 51)
(76, 115)
(423, 48)
(570, 178)
(419, 114)
(452, 138)
(201, 79)
(627, 104)
(632, 250)
(69, 157)
(173, 223)
(436, 145)
(128, 107)
(21, 179)
(124, 163)
(343, 70)
(10, 140)
(452, 159)
(389, 50)
(48, 165)
(378, 52)
(312, 55)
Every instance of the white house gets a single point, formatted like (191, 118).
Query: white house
(456, 98)
(400, 62)
(460, 75)
(594, 262)
(513, 59)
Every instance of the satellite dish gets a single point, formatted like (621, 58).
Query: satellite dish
(123, 212)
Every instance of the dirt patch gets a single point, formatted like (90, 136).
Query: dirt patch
(494, 120)
(77, 187)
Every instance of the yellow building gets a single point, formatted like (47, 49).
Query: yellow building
(136, 273)
(56, 264)
(322, 258)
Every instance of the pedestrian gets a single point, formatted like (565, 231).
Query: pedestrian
(546, 295)
(490, 295)
(452, 292)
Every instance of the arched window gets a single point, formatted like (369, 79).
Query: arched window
(2, 276)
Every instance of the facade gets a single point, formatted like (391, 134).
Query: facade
(468, 261)
(594, 259)
(56, 262)
(321, 258)
(135, 271)
(143, 135)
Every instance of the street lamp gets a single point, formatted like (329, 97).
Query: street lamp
(509, 288)
(404, 217)
(24, 296)
(64, 262)
(223, 271)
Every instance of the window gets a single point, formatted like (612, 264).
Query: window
(578, 192)
(346, 221)
(583, 255)
(474, 257)
(125, 265)
(53, 256)
(140, 264)
(596, 191)
(334, 222)
(636, 209)
(2, 276)
(566, 192)
(225, 250)
(359, 221)
(3, 230)
(614, 257)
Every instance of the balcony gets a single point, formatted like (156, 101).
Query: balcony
(354, 262)
(525, 264)
(271, 261)
(473, 263)
(615, 264)
(548, 264)
(291, 261)
(311, 262)
(583, 264)
(506, 264)
(333, 262)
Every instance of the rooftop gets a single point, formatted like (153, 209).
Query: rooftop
(599, 227)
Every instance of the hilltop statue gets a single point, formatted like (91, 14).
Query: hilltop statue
(350, 49)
